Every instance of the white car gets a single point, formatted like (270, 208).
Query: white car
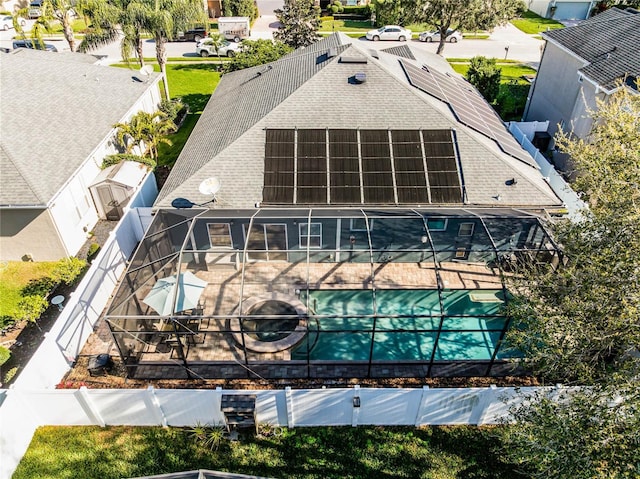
(453, 36)
(7, 22)
(389, 32)
(206, 48)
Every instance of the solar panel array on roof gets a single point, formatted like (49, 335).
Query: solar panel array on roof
(349, 166)
(469, 107)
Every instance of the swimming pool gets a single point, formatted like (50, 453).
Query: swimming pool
(402, 325)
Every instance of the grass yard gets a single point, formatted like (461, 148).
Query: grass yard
(510, 71)
(13, 278)
(303, 453)
(533, 23)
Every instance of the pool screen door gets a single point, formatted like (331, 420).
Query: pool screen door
(267, 242)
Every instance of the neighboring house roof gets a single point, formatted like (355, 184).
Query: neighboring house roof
(607, 42)
(55, 109)
(310, 88)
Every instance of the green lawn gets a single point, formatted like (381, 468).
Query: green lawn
(510, 71)
(532, 23)
(16, 276)
(303, 453)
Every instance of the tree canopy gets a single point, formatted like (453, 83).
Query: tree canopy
(460, 14)
(580, 323)
(485, 75)
(257, 52)
(299, 23)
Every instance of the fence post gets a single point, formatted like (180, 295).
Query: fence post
(289, 404)
(421, 406)
(152, 403)
(88, 407)
(479, 413)
(355, 410)
(218, 399)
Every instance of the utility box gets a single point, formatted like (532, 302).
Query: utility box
(234, 28)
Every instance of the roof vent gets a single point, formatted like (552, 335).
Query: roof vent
(360, 77)
(264, 70)
(374, 53)
(344, 59)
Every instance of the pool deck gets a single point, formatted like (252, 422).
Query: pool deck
(222, 297)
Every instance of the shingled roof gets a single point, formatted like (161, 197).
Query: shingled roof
(55, 109)
(608, 42)
(310, 88)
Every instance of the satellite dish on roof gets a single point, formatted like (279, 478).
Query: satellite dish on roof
(210, 186)
(146, 70)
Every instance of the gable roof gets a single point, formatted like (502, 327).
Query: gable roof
(55, 109)
(312, 89)
(608, 42)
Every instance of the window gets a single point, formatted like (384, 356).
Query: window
(311, 235)
(439, 224)
(465, 229)
(220, 235)
(359, 224)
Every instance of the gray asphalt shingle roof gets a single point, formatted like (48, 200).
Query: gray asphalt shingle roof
(55, 109)
(608, 42)
(313, 91)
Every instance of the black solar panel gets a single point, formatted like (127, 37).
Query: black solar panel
(386, 167)
(469, 107)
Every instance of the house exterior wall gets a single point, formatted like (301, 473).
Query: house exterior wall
(556, 89)
(29, 232)
(564, 10)
(581, 121)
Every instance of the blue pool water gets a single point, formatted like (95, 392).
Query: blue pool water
(406, 325)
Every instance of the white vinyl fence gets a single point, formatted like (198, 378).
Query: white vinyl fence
(19, 416)
(561, 188)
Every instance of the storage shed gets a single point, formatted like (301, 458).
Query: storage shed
(114, 186)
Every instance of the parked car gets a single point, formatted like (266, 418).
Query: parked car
(35, 8)
(206, 48)
(389, 32)
(7, 22)
(193, 35)
(34, 45)
(453, 36)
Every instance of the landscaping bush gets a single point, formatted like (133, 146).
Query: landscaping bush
(172, 108)
(30, 308)
(94, 249)
(11, 373)
(511, 101)
(335, 7)
(39, 287)
(484, 74)
(365, 10)
(69, 270)
(5, 354)
(111, 160)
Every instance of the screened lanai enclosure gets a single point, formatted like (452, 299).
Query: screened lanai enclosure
(323, 293)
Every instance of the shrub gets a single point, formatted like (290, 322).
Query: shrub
(39, 287)
(111, 160)
(94, 248)
(68, 270)
(511, 101)
(5, 354)
(208, 436)
(11, 373)
(364, 10)
(484, 74)
(30, 308)
(335, 7)
(171, 108)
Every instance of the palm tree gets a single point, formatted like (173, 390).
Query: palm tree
(145, 130)
(60, 10)
(125, 19)
(167, 17)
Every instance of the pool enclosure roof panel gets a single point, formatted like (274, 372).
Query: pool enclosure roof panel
(469, 107)
(361, 166)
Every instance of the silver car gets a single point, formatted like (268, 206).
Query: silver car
(389, 32)
(453, 36)
(206, 48)
(7, 22)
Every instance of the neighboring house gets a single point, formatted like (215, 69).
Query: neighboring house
(581, 64)
(562, 9)
(57, 113)
(340, 212)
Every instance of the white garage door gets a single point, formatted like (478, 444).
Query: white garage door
(571, 10)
